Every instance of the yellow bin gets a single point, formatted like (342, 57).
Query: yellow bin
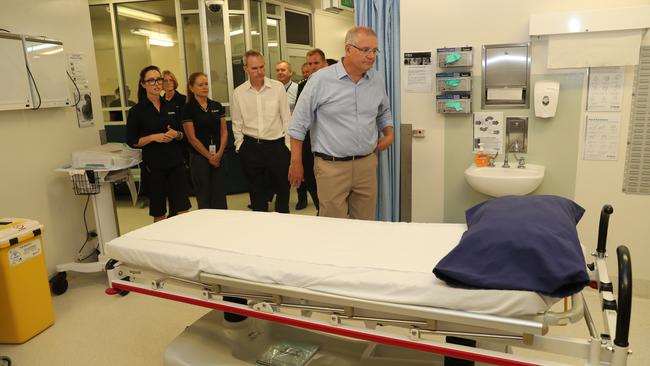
(25, 301)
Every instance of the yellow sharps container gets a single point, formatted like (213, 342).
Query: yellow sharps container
(25, 301)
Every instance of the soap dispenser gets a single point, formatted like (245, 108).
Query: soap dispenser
(482, 158)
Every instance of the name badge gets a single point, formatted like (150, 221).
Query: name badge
(212, 149)
(171, 112)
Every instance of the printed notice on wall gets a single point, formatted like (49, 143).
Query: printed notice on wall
(419, 73)
(78, 69)
(601, 136)
(488, 130)
(605, 89)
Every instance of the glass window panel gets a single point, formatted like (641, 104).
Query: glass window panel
(272, 9)
(148, 42)
(256, 35)
(105, 55)
(192, 38)
(189, 4)
(273, 44)
(235, 4)
(217, 54)
(238, 48)
(298, 28)
(296, 66)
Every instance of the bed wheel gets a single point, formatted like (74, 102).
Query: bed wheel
(124, 292)
(5, 361)
(59, 283)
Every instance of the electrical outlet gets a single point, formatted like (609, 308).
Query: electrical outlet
(418, 133)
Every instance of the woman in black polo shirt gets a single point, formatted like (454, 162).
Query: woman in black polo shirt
(205, 127)
(153, 126)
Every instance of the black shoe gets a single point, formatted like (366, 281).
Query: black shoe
(301, 204)
(250, 206)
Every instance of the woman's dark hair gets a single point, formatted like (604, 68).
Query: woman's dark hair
(142, 92)
(190, 83)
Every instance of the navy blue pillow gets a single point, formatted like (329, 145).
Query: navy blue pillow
(519, 243)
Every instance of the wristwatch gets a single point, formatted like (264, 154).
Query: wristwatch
(180, 135)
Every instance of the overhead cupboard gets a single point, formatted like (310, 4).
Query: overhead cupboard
(34, 73)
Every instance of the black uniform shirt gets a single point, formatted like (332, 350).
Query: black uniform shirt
(207, 124)
(179, 101)
(144, 120)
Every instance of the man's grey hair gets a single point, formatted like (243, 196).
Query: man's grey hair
(284, 62)
(351, 35)
(251, 53)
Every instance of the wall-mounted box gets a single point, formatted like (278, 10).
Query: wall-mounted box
(34, 73)
(48, 66)
(453, 103)
(455, 57)
(15, 92)
(454, 82)
(506, 76)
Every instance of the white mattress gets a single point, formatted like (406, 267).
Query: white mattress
(379, 261)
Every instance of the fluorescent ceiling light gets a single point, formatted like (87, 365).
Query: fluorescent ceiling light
(271, 22)
(273, 44)
(152, 34)
(155, 38)
(160, 42)
(53, 51)
(138, 14)
(236, 32)
(42, 46)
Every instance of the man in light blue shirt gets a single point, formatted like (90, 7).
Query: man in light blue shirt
(344, 106)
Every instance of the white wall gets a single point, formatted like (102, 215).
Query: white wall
(425, 27)
(34, 143)
(329, 31)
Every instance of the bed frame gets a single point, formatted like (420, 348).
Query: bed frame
(415, 327)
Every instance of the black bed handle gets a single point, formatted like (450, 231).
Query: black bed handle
(602, 229)
(624, 296)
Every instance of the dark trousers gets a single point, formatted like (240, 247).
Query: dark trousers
(309, 183)
(258, 159)
(209, 183)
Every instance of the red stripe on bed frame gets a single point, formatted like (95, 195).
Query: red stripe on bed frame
(330, 329)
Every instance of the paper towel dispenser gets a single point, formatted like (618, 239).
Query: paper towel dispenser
(506, 76)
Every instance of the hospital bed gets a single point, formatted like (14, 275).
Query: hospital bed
(365, 280)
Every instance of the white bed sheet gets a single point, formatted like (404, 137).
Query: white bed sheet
(379, 261)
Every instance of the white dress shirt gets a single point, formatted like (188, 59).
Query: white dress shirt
(262, 114)
(292, 93)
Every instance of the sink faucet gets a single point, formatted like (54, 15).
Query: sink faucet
(513, 148)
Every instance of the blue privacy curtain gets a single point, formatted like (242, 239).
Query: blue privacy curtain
(383, 17)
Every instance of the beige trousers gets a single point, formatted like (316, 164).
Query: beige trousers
(347, 188)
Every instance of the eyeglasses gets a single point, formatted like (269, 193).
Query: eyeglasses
(366, 50)
(154, 81)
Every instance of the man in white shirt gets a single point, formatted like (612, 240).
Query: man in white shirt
(283, 73)
(260, 117)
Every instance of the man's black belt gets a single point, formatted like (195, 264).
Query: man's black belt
(344, 158)
(262, 141)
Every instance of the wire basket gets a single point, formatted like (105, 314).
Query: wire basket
(85, 183)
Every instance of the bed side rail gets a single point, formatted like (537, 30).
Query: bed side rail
(601, 248)
(624, 310)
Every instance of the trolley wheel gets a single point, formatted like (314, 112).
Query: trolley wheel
(59, 283)
(5, 361)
